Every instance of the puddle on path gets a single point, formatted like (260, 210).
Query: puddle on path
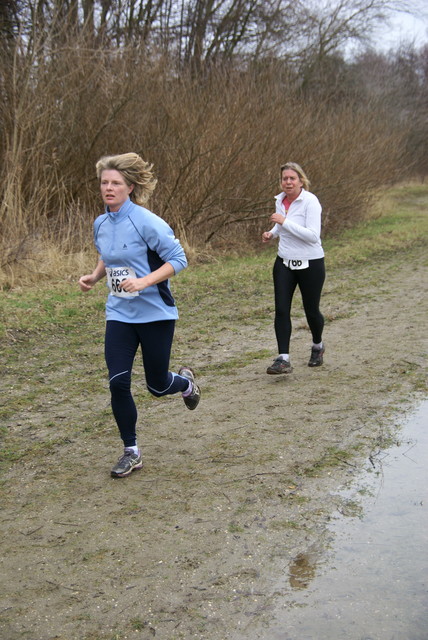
(370, 581)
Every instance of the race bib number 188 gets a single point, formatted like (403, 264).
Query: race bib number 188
(115, 276)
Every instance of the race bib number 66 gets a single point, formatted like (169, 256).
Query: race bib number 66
(296, 265)
(115, 276)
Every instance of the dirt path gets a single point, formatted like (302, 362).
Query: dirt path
(195, 544)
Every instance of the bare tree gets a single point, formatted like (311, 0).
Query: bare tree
(201, 32)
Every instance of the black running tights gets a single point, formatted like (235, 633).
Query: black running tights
(122, 340)
(310, 282)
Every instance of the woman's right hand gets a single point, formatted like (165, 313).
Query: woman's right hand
(267, 235)
(86, 282)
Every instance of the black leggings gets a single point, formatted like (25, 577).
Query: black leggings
(310, 283)
(122, 340)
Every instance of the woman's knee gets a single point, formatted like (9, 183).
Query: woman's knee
(159, 388)
(282, 313)
(120, 384)
(164, 386)
(154, 392)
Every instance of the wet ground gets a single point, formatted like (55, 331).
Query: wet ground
(370, 580)
(234, 517)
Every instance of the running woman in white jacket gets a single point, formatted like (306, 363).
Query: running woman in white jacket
(138, 253)
(300, 262)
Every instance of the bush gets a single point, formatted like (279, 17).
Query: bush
(216, 142)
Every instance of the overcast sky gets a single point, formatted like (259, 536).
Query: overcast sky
(404, 28)
(401, 28)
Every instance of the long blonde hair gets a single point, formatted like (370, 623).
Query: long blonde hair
(298, 169)
(134, 170)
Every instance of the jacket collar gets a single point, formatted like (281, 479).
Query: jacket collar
(282, 195)
(122, 212)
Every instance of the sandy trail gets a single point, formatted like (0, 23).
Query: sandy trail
(194, 545)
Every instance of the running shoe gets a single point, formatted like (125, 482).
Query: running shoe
(316, 358)
(127, 463)
(191, 401)
(280, 366)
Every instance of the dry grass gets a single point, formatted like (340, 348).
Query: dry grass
(216, 144)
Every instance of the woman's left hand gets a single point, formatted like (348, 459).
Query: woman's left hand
(133, 284)
(277, 218)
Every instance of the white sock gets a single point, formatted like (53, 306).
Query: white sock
(134, 448)
(284, 356)
(317, 346)
(188, 391)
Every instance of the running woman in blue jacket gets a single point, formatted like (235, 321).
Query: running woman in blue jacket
(138, 254)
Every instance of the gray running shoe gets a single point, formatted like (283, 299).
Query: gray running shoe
(280, 366)
(316, 358)
(192, 400)
(127, 463)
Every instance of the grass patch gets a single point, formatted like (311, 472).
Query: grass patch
(51, 339)
(332, 457)
(228, 292)
(280, 525)
(399, 223)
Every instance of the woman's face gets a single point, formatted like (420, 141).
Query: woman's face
(114, 189)
(291, 183)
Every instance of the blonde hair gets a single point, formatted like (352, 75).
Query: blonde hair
(134, 170)
(298, 169)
